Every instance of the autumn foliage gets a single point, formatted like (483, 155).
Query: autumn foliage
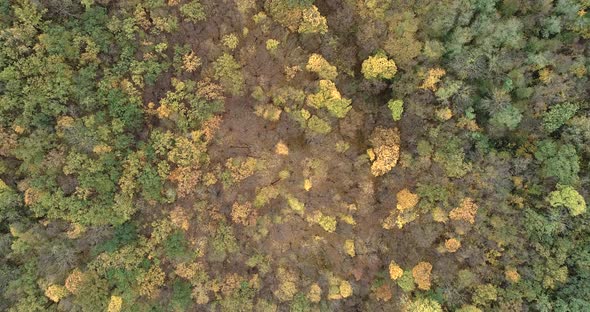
(385, 151)
(466, 211)
(421, 273)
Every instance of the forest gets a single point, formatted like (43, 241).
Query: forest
(294, 155)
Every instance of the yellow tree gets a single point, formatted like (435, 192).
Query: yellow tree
(378, 67)
(406, 199)
(385, 151)
(318, 64)
(329, 97)
(395, 271)
(466, 211)
(421, 273)
(452, 244)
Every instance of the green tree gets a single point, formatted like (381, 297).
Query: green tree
(229, 73)
(558, 160)
(406, 281)
(509, 117)
(554, 118)
(485, 294)
(193, 11)
(397, 108)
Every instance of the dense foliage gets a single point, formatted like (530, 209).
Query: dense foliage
(294, 155)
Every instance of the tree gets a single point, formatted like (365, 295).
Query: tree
(288, 285)
(92, 292)
(424, 305)
(484, 294)
(318, 125)
(229, 73)
(222, 243)
(466, 211)
(450, 155)
(452, 244)
(406, 199)
(558, 160)
(508, 117)
(318, 64)
(554, 118)
(395, 271)
(468, 308)
(9, 201)
(406, 281)
(378, 67)
(243, 213)
(421, 273)
(312, 21)
(397, 108)
(329, 97)
(385, 151)
(315, 293)
(193, 11)
(272, 45)
(401, 37)
(432, 78)
(566, 196)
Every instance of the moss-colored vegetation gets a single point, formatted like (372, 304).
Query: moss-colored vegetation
(294, 155)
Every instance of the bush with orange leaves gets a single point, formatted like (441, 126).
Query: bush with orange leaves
(385, 151)
(466, 211)
(421, 273)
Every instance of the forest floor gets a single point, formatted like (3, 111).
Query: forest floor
(342, 186)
